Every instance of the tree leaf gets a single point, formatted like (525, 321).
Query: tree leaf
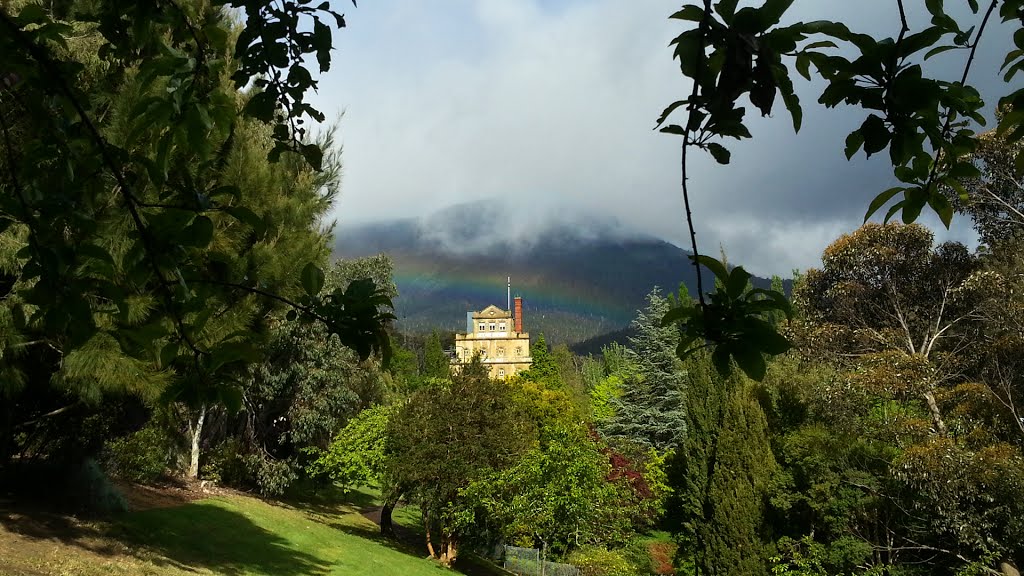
(876, 135)
(720, 357)
(881, 200)
(726, 9)
(940, 204)
(716, 267)
(719, 152)
(231, 397)
(853, 143)
(751, 361)
(200, 232)
(312, 279)
(669, 110)
(939, 50)
(248, 217)
(678, 313)
(689, 12)
(737, 282)
(169, 353)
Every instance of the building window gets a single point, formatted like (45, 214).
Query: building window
(519, 350)
(501, 352)
(501, 327)
(492, 326)
(481, 327)
(501, 372)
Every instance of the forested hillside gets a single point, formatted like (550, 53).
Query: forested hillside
(577, 281)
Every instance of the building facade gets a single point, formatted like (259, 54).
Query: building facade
(497, 336)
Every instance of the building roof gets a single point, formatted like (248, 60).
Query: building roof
(492, 311)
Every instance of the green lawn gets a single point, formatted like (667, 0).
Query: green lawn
(233, 535)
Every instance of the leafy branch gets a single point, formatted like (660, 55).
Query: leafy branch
(925, 123)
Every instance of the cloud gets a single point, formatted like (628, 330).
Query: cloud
(549, 105)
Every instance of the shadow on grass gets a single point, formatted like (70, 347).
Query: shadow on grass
(413, 543)
(330, 500)
(38, 524)
(226, 542)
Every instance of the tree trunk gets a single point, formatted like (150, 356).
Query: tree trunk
(933, 407)
(197, 434)
(6, 434)
(1008, 569)
(426, 529)
(449, 551)
(387, 528)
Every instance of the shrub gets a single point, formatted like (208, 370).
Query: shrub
(272, 476)
(140, 456)
(595, 561)
(93, 490)
(225, 464)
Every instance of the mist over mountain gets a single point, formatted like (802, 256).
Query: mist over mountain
(580, 276)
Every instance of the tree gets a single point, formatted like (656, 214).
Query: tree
(558, 496)
(436, 363)
(356, 456)
(994, 198)
(445, 437)
(544, 369)
(899, 442)
(720, 474)
(133, 113)
(651, 411)
(886, 288)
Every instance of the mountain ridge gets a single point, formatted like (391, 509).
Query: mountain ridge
(578, 280)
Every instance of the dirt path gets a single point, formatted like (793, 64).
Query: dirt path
(170, 493)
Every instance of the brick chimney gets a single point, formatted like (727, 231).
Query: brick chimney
(519, 313)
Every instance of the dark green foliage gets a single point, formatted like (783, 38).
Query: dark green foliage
(225, 464)
(720, 475)
(737, 318)
(436, 363)
(142, 456)
(445, 437)
(93, 489)
(149, 236)
(544, 368)
(307, 386)
(557, 496)
(651, 410)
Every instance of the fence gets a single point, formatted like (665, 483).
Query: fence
(527, 562)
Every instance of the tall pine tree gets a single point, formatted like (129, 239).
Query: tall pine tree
(720, 474)
(651, 411)
(436, 363)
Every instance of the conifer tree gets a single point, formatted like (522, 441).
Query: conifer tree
(544, 369)
(651, 410)
(720, 474)
(436, 363)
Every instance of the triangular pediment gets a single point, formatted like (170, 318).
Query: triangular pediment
(492, 311)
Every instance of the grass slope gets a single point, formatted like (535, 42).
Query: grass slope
(233, 535)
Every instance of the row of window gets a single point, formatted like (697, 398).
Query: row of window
(499, 352)
(482, 327)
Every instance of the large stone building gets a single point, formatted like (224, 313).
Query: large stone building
(497, 336)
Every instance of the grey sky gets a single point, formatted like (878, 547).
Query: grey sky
(551, 104)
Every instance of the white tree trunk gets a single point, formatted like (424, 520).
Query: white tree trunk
(197, 434)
